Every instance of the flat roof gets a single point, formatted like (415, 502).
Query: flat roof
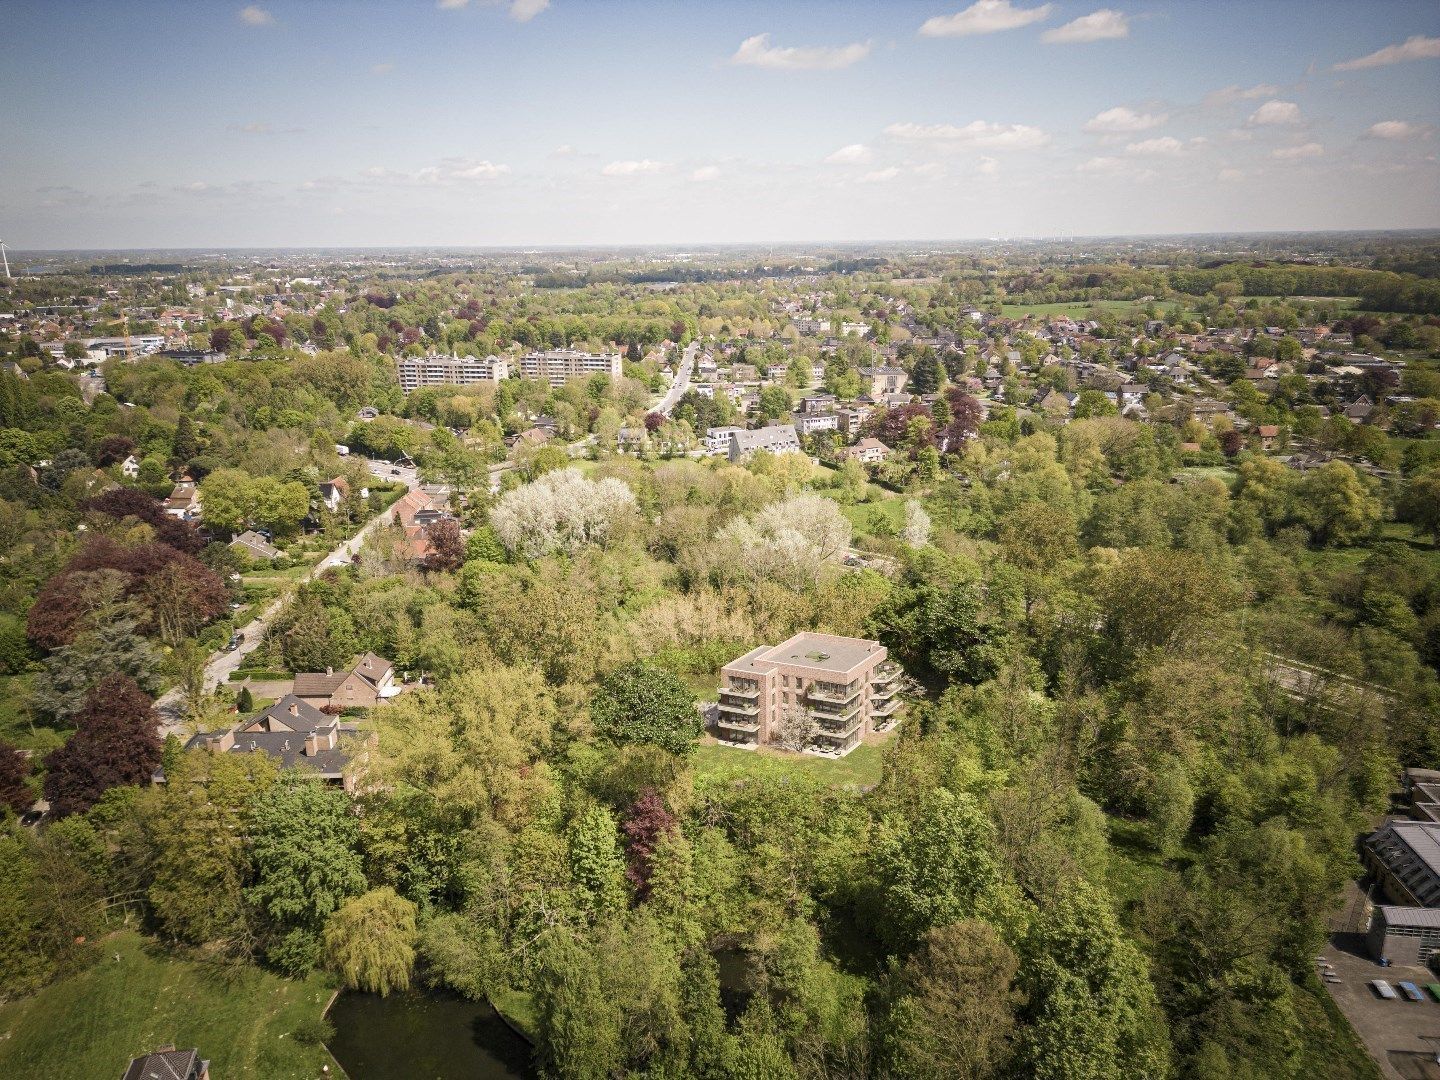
(824, 652)
(1396, 915)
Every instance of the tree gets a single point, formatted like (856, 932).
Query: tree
(935, 865)
(447, 545)
(305, 855)
(774, 403)
(1337, 505)
(794, 728)
(927, 374)
(1419, 503)
(597, 869)
(562, 511)
(115, 743)
(1092, 403)
(916, 531)
(791, 541)
(645, 825)
(370, 941)
(14, 768)
(642, 703)
(955, 1013)
(184, 445)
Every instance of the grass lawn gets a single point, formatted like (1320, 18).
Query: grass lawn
(860, 768)
(519, 1008)
(91, 1024)
(1198, 472)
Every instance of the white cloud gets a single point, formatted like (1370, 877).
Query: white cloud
(525, 10)
(1102, 25)
(256, 127)
(704, 173)
(563, 150)
(643, 167)
(988, 166)
(1122, 121)
(1228, 95)
(1165, 146)
(1297, 153)
(256, 16)
(975, 133)
(1417, 47)
(1276, 112)
(758, 52)
(450, 172)
(520, 10)
(984, 17)
(1229, 176)
(1396, 129)
(854, 154)
(480, 170)
(880, 176)
(382, 69)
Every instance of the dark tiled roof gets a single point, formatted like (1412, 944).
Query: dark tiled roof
(319, 683)
(304, 719)
(165, 1065)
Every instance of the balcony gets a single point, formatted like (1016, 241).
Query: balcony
(831, 694)
(886, 673)
(884, 693)
(890, 707)
(838, 725)
(737, 724)
(742, 690)
(740, 710)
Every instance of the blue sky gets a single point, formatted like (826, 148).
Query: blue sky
(513, 122)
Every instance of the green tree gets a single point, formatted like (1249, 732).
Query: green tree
(370, 941)
(1337, 504)
(642, 703)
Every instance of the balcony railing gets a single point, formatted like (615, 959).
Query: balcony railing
(829, 693)
(744, 690)
(886, 708)
(740, 710)
(884, 693)
(886, 673)
(840, 730)
(752, 726)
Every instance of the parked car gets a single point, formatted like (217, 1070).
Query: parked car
(1411, 991)
(1434, 989)
(1384, 989)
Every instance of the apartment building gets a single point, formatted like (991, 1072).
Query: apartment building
(820, 689)
(559, 366)
(418, 371)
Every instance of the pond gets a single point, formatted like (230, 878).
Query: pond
(425, 1035)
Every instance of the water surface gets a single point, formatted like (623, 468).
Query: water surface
(425, 1035)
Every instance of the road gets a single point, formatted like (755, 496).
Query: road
(682, 380)
(221, 664)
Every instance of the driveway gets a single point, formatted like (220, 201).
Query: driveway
(682, 380)
(1403, 1037)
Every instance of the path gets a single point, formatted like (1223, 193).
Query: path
(682, 380)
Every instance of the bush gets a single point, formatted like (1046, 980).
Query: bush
(313, 1031)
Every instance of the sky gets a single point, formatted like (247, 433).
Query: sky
(298, 123)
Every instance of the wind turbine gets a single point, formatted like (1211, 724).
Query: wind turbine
(4, 258)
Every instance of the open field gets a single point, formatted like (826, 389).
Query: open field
(861, 768)
(1015, 311)
(91, 1024)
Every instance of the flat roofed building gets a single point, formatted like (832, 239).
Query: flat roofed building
(1404, 935)
(838, 689)
(1405, 856)
(774, 439)
(559, 366)
(418, 371)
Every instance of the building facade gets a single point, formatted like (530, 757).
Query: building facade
(559, 366)
(418, 371)
(1405, 858)
(821, 691)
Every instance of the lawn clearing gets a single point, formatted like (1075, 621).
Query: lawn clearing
(859, 768)
(91, 1024)
(1083, 307)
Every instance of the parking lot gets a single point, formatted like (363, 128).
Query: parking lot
(1402, 1036)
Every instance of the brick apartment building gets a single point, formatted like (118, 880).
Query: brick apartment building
(842, 687)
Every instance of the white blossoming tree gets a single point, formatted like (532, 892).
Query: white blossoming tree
(561, 512)
(792, 540)
(916, 531)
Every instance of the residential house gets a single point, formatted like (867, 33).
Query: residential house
(835, 690)
(294, 732)
(559, 366)
(414, 513)
(1131, 394)
(167, 1063)
(1360, 409)
(254, 545)
(130, 467)
(809, 423)
(884, 380)
(1268, 433)
(333, 492)
(867, 451)
(365, 685)
(184, 500)
(818, 403)
(717, 440)
(775, 439)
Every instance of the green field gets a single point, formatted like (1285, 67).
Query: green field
(1015, 311)
(91, 1024)
(860, 768)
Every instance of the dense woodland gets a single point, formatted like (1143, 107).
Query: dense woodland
(1106, 841)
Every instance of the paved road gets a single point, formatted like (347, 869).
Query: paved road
(221, 664)
(682, 380)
